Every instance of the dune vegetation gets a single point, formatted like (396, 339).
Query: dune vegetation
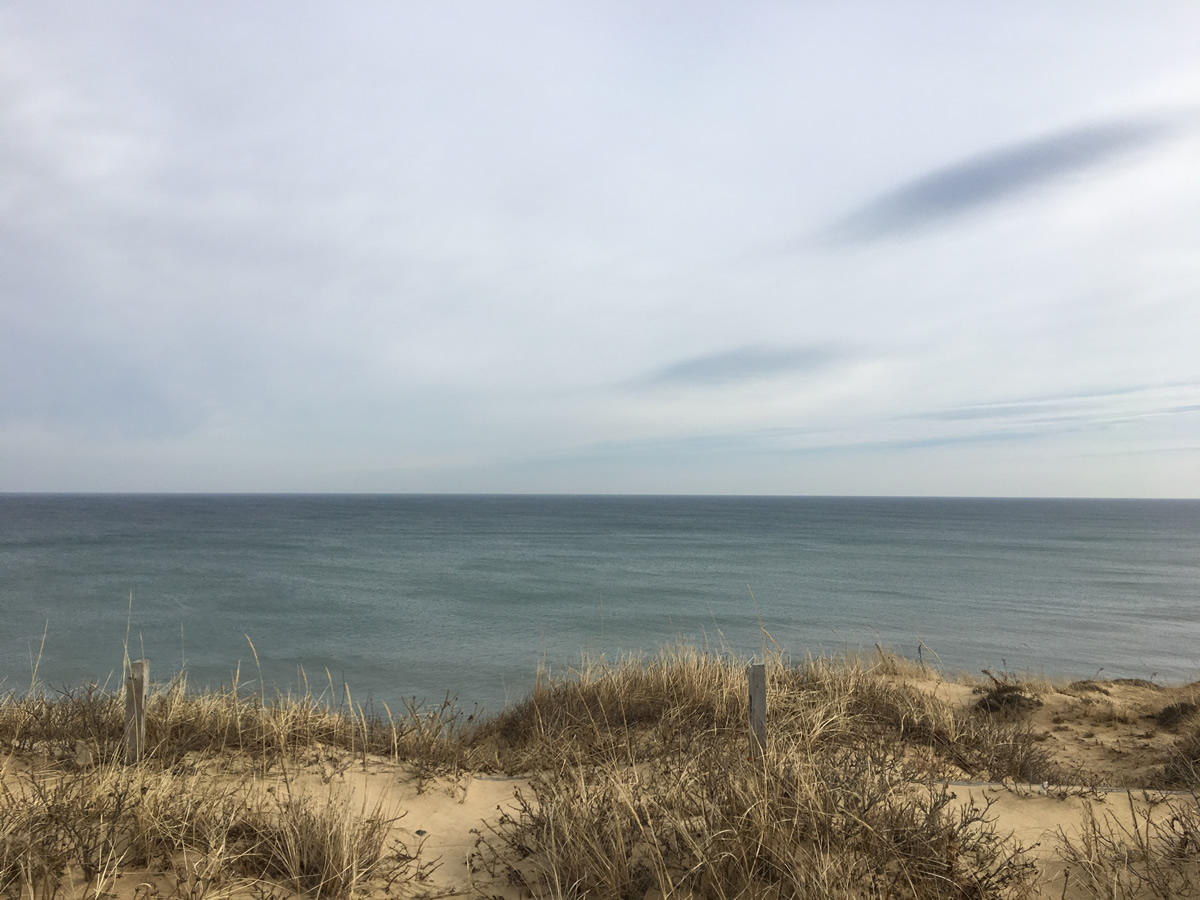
(881, 778)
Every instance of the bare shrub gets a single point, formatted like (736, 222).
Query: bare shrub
(1156, 855)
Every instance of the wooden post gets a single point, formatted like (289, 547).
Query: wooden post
(757, 677)
(136, 686)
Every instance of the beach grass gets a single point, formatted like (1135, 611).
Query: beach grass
(637, 781)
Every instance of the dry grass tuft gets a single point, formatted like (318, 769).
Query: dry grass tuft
(1175, 714)
(646, 708)
(600, 708)
(1156, 855)
(209, 835)
(1007, 695)
(806, 821)
(77, 814)
(89, 723)
(1182, 767)
(642, 782)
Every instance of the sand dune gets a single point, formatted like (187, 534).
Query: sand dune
(624, 780)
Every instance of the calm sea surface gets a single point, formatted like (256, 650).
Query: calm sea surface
(401, 596)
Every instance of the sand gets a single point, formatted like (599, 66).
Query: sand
(1106, 731)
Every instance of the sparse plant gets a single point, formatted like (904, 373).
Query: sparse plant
(1006, 695)
(1156, 854)
(1182, 766)
(1174, 714)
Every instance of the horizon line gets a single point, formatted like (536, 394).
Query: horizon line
(582, 494)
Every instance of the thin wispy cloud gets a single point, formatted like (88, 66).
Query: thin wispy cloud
(743, 364)
(995, 176)
(776, 443)
(997, 411)
(992, 423)
(1091, 406)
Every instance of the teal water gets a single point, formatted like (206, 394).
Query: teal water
(403, 596)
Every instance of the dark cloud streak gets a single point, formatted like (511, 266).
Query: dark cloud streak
(981, 181)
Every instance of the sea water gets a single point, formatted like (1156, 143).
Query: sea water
(391, 597)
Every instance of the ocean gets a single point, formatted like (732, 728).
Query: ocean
(407, 596)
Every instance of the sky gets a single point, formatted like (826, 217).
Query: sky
(706, 248)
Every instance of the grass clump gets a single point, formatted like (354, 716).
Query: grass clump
(649, 707)
(846, 803)
(1006, 695)
(199, 814)
(803, 822)
(601, 707)
(205, 835)
(88, 723)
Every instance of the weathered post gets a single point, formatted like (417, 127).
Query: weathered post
(136, 686)
(756, 675)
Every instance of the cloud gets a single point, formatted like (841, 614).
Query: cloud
(1024, 420)
(992, 177)
(743, 364)
(423, 252)
(68, 382)
(1088, 410)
